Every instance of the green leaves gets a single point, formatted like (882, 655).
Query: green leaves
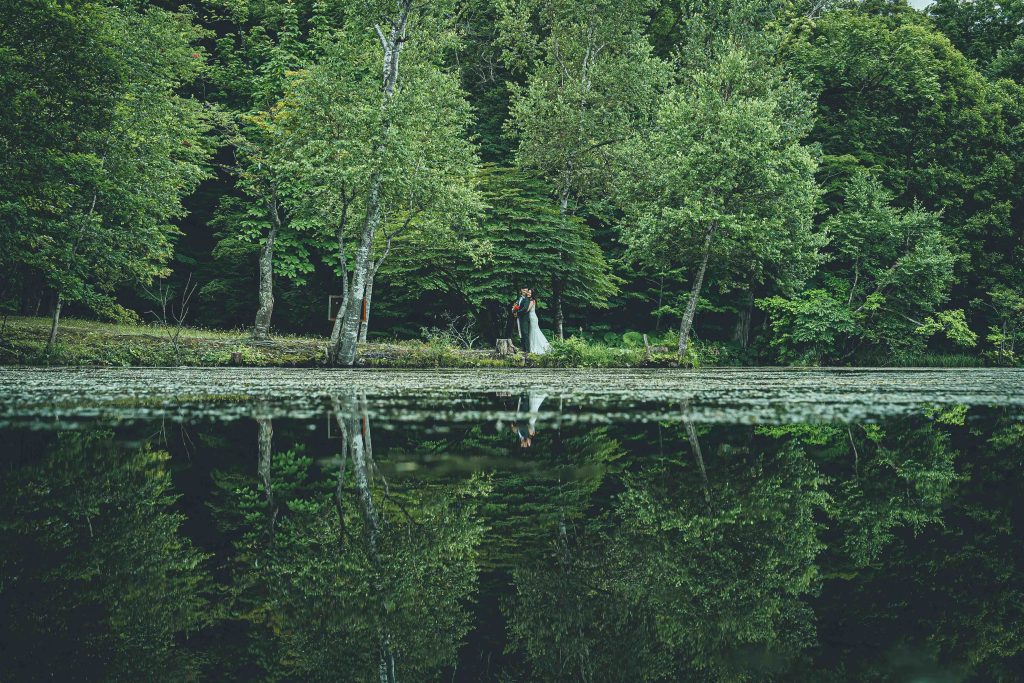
(725, 153)
(98, 184)
(889, 271)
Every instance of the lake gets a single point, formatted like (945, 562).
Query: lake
(585, 525)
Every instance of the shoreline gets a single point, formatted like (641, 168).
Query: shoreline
(87, 343)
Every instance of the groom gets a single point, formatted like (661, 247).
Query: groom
(520, 311)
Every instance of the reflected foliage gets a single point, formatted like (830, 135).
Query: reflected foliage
(632, 551)
(98, 580)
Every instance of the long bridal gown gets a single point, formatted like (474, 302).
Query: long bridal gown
(538, 342)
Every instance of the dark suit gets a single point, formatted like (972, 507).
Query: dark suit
(523, 319)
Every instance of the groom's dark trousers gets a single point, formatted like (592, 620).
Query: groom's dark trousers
(523, 320)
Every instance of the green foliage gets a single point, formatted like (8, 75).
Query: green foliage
(523, 240)
(634, 129)
(951, 323)
(591, 79)
(889, 272)
(1007, 333)
(100, 147)
(896, 97)
(330, 578)
(90, 528)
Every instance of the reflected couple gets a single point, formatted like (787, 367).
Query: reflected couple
(524, 426)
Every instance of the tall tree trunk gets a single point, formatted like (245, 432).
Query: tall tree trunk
(741, 334)
(698, 281)
(556, 296)
(349, 337)
(57, 306)
(261, 329)
(59, 303)
(339, 318)
(557, 284)
(367, 300)
(392, 43)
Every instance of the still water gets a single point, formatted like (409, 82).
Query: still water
(723, 525)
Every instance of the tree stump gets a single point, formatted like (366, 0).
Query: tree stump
(505, 347)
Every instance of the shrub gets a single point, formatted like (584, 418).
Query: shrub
(633, 339)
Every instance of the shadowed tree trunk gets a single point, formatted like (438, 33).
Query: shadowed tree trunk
(556, 296)
(55, 321)
(261, 329)
(741, 335)
(392, 43)
(557, 285)
(698, 281)
(58, 305)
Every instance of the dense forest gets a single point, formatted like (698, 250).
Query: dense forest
(773, 181)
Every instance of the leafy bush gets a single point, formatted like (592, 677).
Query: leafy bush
(578, 353)
(633, 339)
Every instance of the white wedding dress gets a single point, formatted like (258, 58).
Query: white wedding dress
(538, 342)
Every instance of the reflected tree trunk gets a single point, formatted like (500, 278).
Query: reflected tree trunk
(339, 487)
(361, 451)
(582, 657)
(265, 440)
(691, 434)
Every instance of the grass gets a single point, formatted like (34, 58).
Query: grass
(92, 343)
(87, 342)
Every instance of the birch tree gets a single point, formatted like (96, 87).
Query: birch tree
(253, 69)
(723, 181)
(378, 125)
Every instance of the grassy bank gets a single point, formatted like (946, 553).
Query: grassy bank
(91, 343)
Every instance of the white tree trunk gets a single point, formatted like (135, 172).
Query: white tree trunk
(261, 329)
(339, 318)
(691, 306)
(367, 301)
(392, 43)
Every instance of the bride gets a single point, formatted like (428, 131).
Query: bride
(538, 342)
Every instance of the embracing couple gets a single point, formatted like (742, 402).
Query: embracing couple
(525, 313)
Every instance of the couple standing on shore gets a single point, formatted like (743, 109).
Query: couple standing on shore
(525, 312)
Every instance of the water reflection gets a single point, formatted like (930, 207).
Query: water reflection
(358, 548)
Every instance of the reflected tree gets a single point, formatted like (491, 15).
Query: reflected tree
(98, 582)
(360, 580)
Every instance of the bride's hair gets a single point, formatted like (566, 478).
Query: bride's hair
(533, 293)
